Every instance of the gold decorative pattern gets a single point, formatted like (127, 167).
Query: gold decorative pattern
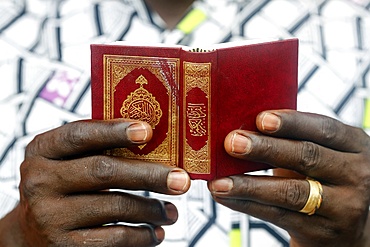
(197, 161)
(197, 75)
(116, 68)
(119, 72)
(141, 105)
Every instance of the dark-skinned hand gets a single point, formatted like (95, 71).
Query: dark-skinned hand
(308, 145)
(64, 190)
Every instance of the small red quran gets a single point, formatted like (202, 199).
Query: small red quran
(193, 98)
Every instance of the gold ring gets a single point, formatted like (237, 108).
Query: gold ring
(314, 199)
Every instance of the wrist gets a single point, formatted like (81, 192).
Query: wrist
(10, 232)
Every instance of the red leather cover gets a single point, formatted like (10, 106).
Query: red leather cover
(193, 99)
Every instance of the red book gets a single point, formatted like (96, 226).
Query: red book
(193, 99)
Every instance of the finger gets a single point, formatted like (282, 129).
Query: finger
(102, 208)
(285, 193)
(320, 230)
(290, 194)
(100, 172)
(128, 236)
(305, 157)
(316, 128)
(108, 172)
(87, 136)
(281, 217)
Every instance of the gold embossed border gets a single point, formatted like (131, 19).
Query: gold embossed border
(116, 67)
(197, 75)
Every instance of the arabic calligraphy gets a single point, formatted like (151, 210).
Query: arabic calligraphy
(142, 105)
(196, 114)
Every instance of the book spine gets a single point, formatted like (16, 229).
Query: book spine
(196, 108)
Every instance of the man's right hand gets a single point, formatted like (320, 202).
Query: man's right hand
(64, 197)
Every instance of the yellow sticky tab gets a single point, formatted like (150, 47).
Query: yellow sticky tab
(191, 21)
(367, 115)
(235, 238)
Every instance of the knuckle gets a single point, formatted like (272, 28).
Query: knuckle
(118, 205)
(266, 148)
(25, 169)
(126, 206)
(33, 146)
(31, 188)
(28, 188)
(309, 155)
(31, 185)
(329, 130)
(292, 195)
(74, 136)
(103, 169)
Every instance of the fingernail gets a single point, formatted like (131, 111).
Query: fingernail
(137, 132)
(240, 144)
(270, 122)
(159, 233)
(177, 180)
(171, 212)
(222, 185)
